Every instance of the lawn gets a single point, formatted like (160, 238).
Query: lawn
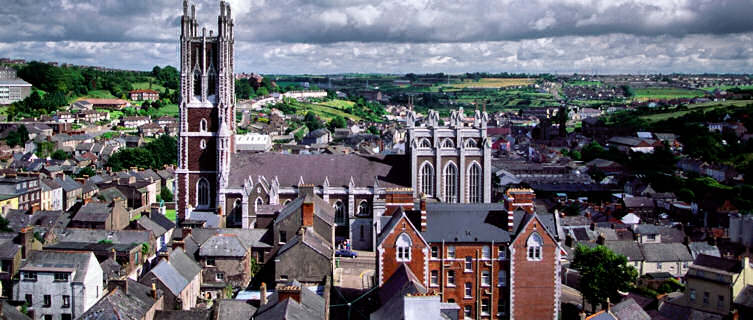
(491, 83)
(339, 104)
(325, 112)
(748, 87)
(166, 110)
(667, 93)
(707, 106)
(145, 85)
(170, 214)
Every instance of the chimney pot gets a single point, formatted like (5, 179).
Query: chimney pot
(263, 294)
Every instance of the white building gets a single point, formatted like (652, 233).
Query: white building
(52, 195)
(59, 285)
(253, 142)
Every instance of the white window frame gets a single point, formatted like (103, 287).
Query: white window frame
(427, 179)
(403, 245)
(486, 280)
(534, 247)
(468, 264)
(450, 181)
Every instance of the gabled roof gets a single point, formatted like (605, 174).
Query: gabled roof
(728, 265)
(223, 245)
(392, 223)
(629, 249)
(118, 304)
(94, 212)
(60, 260)
(402, 282)
(661, 252)
(228, 309)
(148, 224)
(322, 209)
(176, 272)
(484, 222)
(312, 240)
(311, 307)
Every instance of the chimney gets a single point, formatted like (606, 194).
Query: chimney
(601, 239)
(305, 190)
(122, 284)
(178, 244)
(186, 232)
(307, 214)
(114, 255)
(263, 294)
(424, 218)
(164, 255)
(288, 292)
(154, 291)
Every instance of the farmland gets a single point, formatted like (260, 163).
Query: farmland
(667, 93)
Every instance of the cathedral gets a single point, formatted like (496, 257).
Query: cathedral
(449, 162)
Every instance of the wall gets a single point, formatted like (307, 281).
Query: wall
(387, 253)
(303, 264)
(534, 282)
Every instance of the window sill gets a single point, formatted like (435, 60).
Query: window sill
(451, 286)
(467, 271)
(467, 298)
(434, 285)
(485, 285)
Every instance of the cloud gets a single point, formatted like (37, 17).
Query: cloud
(327, 36)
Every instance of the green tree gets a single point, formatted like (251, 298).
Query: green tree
(166, 195)
(263, 91)
(60, 155)
(18, 137)
(86, 171)
(374, 130)
(337, 122)
(312, 122)
(603, 273)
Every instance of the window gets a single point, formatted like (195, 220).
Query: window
(485, 281)
(203, 144)
(474, 184)
(425, 143)
(434, 252)
(197, 80)
(65, 316)
(501, 307)
(534, 245)
(403, 245)
(203, 125)
(501, 278)
(47, 301)
(468, 264)
(467, 312)
(448, 144)
(485, 307)
(220, 276)
(339, 212)
(501, 253)
(363, 208)
(651, 237)
(720, 302)
(203, 193)
(451, 183)
(706, 297)
(450, 252)
(427, 179)
(434, 278)
(29, 300)
(30, 276)
(450, 278)
(486, 252)
(258, 203)
(210, 262)
(471, 143)
(61, 276)
(47, 317)
(468, 290)
(658, 266)
(66, 301)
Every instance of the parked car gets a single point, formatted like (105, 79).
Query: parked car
(346, 253)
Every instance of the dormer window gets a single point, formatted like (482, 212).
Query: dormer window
(534, 245)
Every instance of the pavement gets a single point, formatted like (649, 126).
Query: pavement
(356, 273)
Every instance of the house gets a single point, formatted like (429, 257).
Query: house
(226, 261)
(126, 299)
(10, 262)
(253, 142)
(59, 284)
(150, 129)
(144, 94)
(318, 136)
(673, 258)
(647, 233)
(404, 297)
(102, 215)
(643, 207)
(52, 195)
(713, 283)
(158, 224)
(93, 116)
(109, 104)
(27, 190)
(178, 277)
(304, 233)
(627, 309)
(292, 300)
(630, 250)
(490, 261)
(625, 144)
(134, 122)
(72, 191)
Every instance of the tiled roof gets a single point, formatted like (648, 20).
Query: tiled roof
(466, 223)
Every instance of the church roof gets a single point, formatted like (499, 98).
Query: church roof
(391, 170)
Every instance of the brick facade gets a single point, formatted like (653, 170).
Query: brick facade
(535, 282)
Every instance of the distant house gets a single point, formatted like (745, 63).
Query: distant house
(72, 191)
(126, 299)
(150, 129)
(634, 144)
(100, 215)
(319, 136)
(52, 195)
(292, 300)
(144, 95)
(673, 258)
(109, 104)
(225, 260)
(134, 121)
(178, 277)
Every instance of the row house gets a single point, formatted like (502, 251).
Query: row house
(134, 122)
(26, 189)
(52, 195)
(100, 215)
(72, 191)
(108, 104)
(491, 262)
(144, 95)
(92, 116)
(178, 277)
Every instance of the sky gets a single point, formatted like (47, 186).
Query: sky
(398, 36)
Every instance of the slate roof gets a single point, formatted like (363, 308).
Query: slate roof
(310, 307)
(629, 249)
(118, 304)
(234, 309)
(8, 249)
(628, 309)
(149, 224)
(95, 235)
(68, 183)
(646, 229)
(402, 282)
(702, 247)
(322, 209)
(47, 260)
(162, 221)
(745, 297)
(312, 240)
(197, 314)
(390, 170)
(728, 265)
(223, 245)
(253, 238)
(11, 313)
(210, 219)
(93, 212)
(176, 272)
(639, 202)
(111, 193)
(484, 222)
(660, 252)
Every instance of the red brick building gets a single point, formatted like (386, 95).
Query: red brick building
(469, 255)
(143, 95)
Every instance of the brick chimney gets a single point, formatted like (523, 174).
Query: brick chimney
(178, 244)
(154, 291)
(510, 220)
(122, 284)
(164, 255)
(186, 232)
(424, 219)
(307, 214)
(263, 294)
(288, 292)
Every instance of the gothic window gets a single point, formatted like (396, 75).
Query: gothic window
(451, 183)
(203, 192)
(196, 82)
(203, 125)
(474, 183)
(363, 208)
(403, 245)
(448, 144)
(286, 202)
(534, 245)
(212, 85)
(257, 204)
(425, 143)
(203, 144)
(471, 143)
(339, 212)
(427, 179)
(237, 210)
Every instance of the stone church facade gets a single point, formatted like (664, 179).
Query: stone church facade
(451, 163)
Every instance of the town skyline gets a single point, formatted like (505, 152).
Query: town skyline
(294, 37)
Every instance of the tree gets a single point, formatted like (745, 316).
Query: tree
(18, 137)
(86, 171)
(337, 122)
(59, 155)
(312, 121)
(374, 130)
(603, 273)
(166, 195)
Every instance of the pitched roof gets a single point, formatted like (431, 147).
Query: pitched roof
(322, 209)
(60, 260)
(148, 224)
(228, 309)
(96, 235)
(118, 304)
(312, 240)
(402, 282)
(176, 272)
(660, 252)
(390, 170)
(311, 307)
(483, 222)
(93, 212)
(628, 309)
(629, 249)
(728, 265)
(223, 245)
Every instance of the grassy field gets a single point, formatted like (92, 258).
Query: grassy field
(145, 85)
(339, 104)
(325, 112)
(583, 83)
(728, 87)
(667, 93)
(170, 214)
(166, 110)
(707, 106)
(491, 83)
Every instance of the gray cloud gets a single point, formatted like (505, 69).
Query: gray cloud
(327, 36)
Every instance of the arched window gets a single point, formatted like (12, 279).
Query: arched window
(203, 144)
(196, 82)
(339, 212)
(212, 79)
(427, 179)
(534, 244)
(425, 143)
(363, 208)
(257, 204)
(451, 183)
(448, 144)
(403, 245)
(203, 125)
(471, 143)
(286, 202)
(474, 183)
(237, 210)
(203, 193)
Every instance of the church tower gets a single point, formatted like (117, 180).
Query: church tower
(206, 130)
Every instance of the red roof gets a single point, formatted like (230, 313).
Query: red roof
(145, 91)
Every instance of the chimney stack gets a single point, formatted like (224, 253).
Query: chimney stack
(601, 239)
(186, 232)
(154, 291)
(164, 255)
(114, 255)
(178, 244)
(122, 284)
(424, 218)
(263, 294)
(288, 292)
(307, 214)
